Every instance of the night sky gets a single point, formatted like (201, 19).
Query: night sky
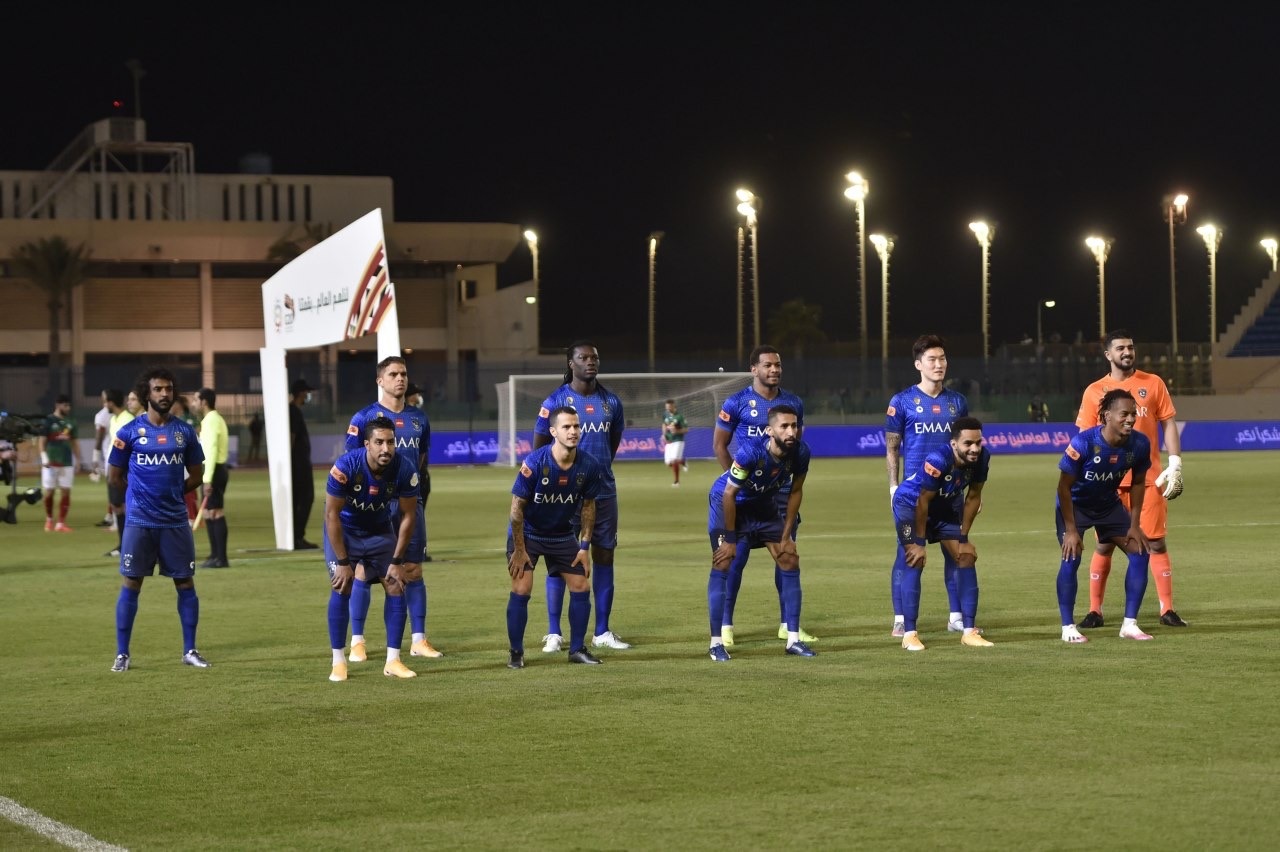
(598, 123)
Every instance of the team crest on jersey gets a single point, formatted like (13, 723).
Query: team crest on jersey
(892, 411)
(1142, 393)
(417, 425)
(1073, 452)
(907, 531)
(582, 477)
(1128, 458)
(337, 474)
(179, 440)
(951, 408)
(605, 408)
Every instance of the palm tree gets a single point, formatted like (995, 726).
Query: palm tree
(56, 268)
(794, 324)
(288, 247)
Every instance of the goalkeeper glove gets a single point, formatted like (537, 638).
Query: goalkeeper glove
(1170, 479)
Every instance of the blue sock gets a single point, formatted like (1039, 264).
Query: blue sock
(579, 615)
(716, 584)
(967, 583)
(791, 598)
(189, 615)
(1067, 590)
(555, 602)
(895, 579)
(339, 616)
(1135, 583)
(393, 615)
(777, 584)
(415, 598)
(949, 580)
(602, 585)
(360, 596)
(909, 589)
(736, 567)
(517, 620)
(126, 612)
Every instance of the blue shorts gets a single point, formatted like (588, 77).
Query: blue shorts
(781, 499)
(935, 528)
(606, 532)
(373, 551)
(560, 554)
(1113, 523)
(173, 547)
(758, 521)
(417, 549)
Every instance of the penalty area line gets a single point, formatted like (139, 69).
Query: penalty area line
(72, 838)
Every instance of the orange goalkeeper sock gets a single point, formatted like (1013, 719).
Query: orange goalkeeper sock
(1162, 572)
(1099, 568)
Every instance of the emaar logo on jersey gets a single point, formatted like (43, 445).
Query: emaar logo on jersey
(406, 442)
(1101, 476)
(940, 428)
(595, 427)
(368, 505)
(539, 497)
(159, 458)
(756, 431)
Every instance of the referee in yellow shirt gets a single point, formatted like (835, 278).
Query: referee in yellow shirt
(214, 440)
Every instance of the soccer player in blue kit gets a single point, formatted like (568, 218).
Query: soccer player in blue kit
(412, 433)
(743, 509)
(159, 457)
(553, 515)
(938, 502)
(368, 522)
(744, 418)
(600, 414)
(1091, 469)
(917, 421)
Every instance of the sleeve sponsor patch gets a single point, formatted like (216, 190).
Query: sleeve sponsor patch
(931, 470)
(337, 474)
(892, 411)
(1073, 452)
(117, 443)
(353, 429)
(724, 415)
(543, 413)
(525, 471)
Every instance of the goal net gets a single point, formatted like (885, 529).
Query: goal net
(698, 397)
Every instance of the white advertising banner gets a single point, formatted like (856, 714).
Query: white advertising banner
(338, 290)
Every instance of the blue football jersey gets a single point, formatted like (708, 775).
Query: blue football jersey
(156, 460)
(602, 421)
(554, 495)
(758, 474)
(1098, 467)
(413, 432)
(941, 472)
(923, 422)
(369, 498)
(746, 413)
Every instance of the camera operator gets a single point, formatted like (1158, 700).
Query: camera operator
(59, 461)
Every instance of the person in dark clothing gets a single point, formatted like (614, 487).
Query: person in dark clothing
(304, 486)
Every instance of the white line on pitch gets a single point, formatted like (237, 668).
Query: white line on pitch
(52, 829)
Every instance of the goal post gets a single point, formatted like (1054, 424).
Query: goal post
(698, 397)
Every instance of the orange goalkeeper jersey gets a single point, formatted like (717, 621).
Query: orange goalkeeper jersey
(1154, 407)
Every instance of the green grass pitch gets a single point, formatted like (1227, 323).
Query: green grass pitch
(1031, 744)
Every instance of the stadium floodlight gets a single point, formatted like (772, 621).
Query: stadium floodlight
(1175, 213)
(1212, 239)
(984, 233)
(1101, 248)
(856, 192)
(884, 248)
(1042, 303)
(654, 238)
(1269, 245)
(749, 205)
(698, 396)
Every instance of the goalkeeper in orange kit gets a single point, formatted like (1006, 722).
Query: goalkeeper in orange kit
(1155, 414)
